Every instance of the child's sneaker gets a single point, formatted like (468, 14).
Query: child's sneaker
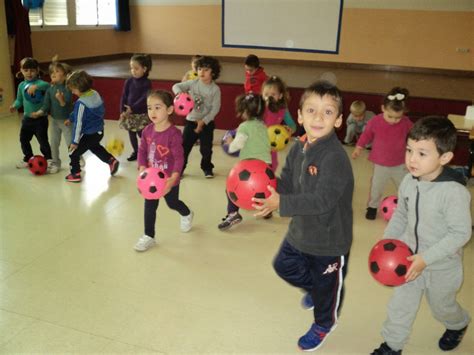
(451, 339)
(371, 213)
(114, 165)
(230, 220)
(74, 177)
(22, 165)
(144, 243)
(208, 174)
(132, 157)
(52, 167)
(186, 222)
(313, 338)
(307, 301)
(384, 349)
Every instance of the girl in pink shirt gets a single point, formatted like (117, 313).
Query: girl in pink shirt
(387, 132)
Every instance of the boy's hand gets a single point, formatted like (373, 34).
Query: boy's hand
(356, 152)
(67, 122)
(32, 89)
(265, 206)
(199, 127)
(12, 109)
(36, 114)
(416, 268)
(229, 140)
(60, 97)
(170, 183)
(141, 168)
(72, 148)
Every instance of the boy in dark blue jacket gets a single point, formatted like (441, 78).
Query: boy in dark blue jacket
(315, 189)
(88, 125)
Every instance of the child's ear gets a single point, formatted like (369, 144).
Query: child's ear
(382, 108)
(300, 117)
(338, 121)
(446, 158)
(170, 109)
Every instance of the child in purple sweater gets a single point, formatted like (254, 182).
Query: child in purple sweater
(133, 116)
(388, 134)
(161, 146)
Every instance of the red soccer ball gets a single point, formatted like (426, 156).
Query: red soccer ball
(183, 104)
(249, 178)
(388, 262)
(37, 165)
(388, 206)
(151, 183)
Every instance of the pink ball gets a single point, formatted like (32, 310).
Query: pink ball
(388, 206)
(151, 183)
(183, 104)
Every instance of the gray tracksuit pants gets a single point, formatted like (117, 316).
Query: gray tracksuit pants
(380, 178)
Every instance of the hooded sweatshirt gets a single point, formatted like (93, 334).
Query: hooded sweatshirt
(88, 115)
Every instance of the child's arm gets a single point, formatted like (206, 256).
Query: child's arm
(182, 87)
(215, 106)
(238, 142)
(78, 115)
(19, 98)
(45, 108)
(289, 121)
(176, 149)
(365, 138)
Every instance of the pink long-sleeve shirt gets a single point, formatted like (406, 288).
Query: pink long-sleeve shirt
(388, 140)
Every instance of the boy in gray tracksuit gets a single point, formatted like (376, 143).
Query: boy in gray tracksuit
(433, 217)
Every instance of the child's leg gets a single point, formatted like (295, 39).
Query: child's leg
(26, 134)
(231, 207)
(150, 217)
(401, 312)
(379, 180)
(133, 140)
(97, 149)
(173, 202)
(206, 137)
(350, 133)
(55, 135)
(274, 161)
(75, 156)
(189, 138)
(398, 173)
(41, 133)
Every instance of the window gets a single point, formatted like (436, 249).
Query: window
(73, 13)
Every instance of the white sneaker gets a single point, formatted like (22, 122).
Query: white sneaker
(186, 222)
(52, 167)
(22, 165)
(144, 243)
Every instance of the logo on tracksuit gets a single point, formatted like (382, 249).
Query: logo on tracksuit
(331, 268)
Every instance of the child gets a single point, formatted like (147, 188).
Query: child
(162, 134)
(87, 125)
(192, 73)
(427, 221)
(254, 75)
(276, 96)
(133, 103)
(252, 141)
(387, 132)
(356, 121)
(200, 121)
(315, 189)
(57, 102)
(30, 95)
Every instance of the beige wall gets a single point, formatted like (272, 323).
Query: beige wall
(414, 38)
(6, 82)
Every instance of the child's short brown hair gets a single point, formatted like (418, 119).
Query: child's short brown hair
(357, 107)
(80, 80)
(322, 88)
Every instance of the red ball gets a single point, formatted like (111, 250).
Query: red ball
(249, 178)
(388, 262)
(37, 165)
(183, 104)
(388, 206)
(151, 183)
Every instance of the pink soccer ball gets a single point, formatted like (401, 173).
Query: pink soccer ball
(151, 183)
(388, 206)
(183, 104)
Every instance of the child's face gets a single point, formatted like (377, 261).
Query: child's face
(358, 116)
(319, 116)
(392, 117)
(158, 112)
(271, 91)
(249, 69)
(423, 160)
(57, 76)
(137, 69)
(205, 75)
(29, 74)
(75, 91)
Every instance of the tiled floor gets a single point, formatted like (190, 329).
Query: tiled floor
(70, 281)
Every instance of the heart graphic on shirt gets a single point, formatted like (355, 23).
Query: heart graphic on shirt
(162, 150)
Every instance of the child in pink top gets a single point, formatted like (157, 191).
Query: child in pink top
(161, 146)
(388, 133)
(276, 96)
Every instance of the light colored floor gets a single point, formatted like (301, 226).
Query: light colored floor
(70, 281)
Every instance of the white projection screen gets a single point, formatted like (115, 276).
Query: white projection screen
(289, 25)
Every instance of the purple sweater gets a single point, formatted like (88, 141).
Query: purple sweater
(162, 149)
(134, 94)
(388, 140)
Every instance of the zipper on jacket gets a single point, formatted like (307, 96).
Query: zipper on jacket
(302, 166)
(417, 217)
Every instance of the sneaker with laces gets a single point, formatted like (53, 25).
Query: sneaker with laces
(208, 174)
(230, 220)
(132, 157)
(22, 165)
(114, 165)
(52, 167)
(144, 243)
(73, 177)
(307, 301)
(186, 222)
(371, 213)
(384, 349)
(313, 338)
(451, 339)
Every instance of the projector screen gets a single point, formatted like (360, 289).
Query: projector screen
(289, 25)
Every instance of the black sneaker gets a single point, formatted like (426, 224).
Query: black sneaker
(384, 349)
(229, 221)
(371, 213)
(208, 174)
(132, 157)
(451, 339)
